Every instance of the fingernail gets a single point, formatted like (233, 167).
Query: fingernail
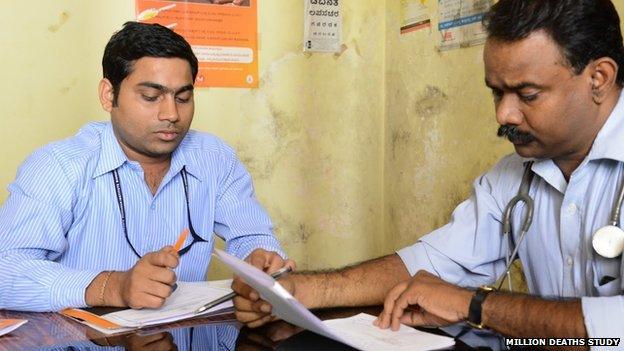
(253, 296)
(265, 308)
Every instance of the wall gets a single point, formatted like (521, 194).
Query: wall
(440, 128)
(353, 155)
(311, 135)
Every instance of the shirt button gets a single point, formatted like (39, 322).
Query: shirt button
(569, 260)
(153, 207)
(572, 208)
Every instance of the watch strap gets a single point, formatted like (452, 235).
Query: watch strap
(476, 306)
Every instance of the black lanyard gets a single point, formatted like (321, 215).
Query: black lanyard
(122, 210)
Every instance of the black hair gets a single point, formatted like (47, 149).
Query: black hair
(585, 30)
(136, 40)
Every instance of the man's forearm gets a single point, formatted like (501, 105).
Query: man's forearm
(363, 284)
(525, 316)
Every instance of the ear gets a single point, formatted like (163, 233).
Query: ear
(106, 94)
(603, 78)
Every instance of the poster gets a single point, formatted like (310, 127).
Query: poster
(322, 26)
(224, 37)
(460, 22)
(414, 15)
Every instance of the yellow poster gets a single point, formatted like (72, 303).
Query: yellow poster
(222, 33)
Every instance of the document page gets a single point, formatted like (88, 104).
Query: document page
(356, 331)
(188, 297)
(362, 334)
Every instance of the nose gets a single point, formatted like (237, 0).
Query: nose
(168, 109)
(507, 111)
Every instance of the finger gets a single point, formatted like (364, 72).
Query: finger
(291, 263)
(383, 321)
(158, 289)
(144, 300)
(397, 312)
(162, 275)
(248, 317)
(419, 317)
(274, 263)
(258, 259)
(241, 288)
(166, 257)
(260, 322)
(246, 305)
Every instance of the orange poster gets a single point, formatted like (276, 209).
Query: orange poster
(224, 36)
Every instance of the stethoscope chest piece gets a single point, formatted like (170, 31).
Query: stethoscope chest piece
(608, 241)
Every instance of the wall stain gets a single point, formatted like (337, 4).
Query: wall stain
(431, 102)
(63, 17)
(399, 137)
(304, 232)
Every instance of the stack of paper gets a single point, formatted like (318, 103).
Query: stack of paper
(9, 325)
(357, 331)
(182, 304)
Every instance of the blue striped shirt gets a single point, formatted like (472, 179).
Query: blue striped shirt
(557, 254)
(61, 224)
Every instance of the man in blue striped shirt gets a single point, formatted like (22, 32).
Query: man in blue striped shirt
(90, 220)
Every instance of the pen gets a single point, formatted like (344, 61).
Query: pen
(177, 247)
(275, 275)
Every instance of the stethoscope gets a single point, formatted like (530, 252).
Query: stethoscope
(120, 201)
(607, 241)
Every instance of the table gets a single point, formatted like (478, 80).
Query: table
(223, 332)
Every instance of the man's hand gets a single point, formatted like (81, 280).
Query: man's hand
(424, 300)
(150, 282)
(250, 309)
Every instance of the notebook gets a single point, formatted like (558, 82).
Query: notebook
(182, 304)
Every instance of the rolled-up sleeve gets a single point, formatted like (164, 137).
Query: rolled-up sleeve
(604, 317)
(469, 250)
(33, 223)
(239, 217)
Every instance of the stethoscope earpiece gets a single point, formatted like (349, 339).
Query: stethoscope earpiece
(608, 241)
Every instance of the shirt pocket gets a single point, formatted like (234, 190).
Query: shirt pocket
(607, 277)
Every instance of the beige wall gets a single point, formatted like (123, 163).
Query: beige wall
(440, 129)
(353, 155)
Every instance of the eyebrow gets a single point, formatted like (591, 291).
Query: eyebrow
(165, 89)
(515, 87)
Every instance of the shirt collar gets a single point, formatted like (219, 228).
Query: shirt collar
(609, 143)
(180, 158)
(111, 154)
(113, 157)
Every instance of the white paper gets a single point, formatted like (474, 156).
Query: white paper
(362, 334)
(356, 331)
(182, 304)
(9, 325)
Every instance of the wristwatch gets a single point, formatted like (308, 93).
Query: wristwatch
(474, 311)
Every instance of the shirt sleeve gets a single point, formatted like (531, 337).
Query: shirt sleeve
(239, 218)
(604, 317)
(33, 223)
(470, 249)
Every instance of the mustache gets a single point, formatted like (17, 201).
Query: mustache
(513, 134)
